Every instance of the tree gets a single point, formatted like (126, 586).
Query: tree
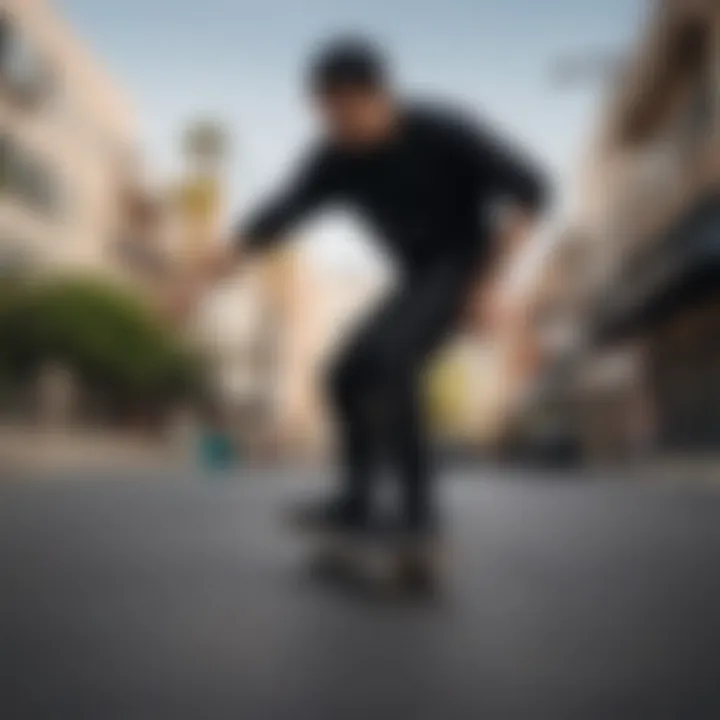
(113, 344)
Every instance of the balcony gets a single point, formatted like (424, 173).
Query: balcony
(680, 266)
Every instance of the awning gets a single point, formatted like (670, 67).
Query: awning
(676, 271)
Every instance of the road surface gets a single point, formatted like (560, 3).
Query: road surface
(179, 598)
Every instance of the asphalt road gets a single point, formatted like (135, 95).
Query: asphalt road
(179, 598)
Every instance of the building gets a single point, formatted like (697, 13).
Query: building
(67, 145)
(632, 283)
(319, 304)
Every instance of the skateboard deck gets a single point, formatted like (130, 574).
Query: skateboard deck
(386, 562)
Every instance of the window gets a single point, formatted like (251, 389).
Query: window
(24, 72)
(14, 263)
(700, 116)
(5, 31)
(4, 166)
(695, 67)
(16, 256)
(25, 177)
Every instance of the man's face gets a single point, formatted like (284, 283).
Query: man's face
(353, 116)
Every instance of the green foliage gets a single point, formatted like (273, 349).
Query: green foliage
(107, 337)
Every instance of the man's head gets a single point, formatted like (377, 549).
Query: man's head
(350, 87)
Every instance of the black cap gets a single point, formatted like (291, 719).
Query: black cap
(348, 63)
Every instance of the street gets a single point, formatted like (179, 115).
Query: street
(162, 597)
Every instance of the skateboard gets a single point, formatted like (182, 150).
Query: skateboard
(380, 561)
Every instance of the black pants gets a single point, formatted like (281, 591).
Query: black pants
(375, 385)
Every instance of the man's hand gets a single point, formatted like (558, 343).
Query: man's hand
(487, 309)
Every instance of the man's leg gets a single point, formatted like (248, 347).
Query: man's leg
(410, 446)
(377, 390)
(356, 426)
(422, 317)
(373, 386)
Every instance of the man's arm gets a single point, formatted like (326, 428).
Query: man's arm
(509, 174)
(494, 166)
(505, 174)
(310, 187)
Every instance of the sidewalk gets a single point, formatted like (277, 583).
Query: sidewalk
(36, 450)
(666, 470)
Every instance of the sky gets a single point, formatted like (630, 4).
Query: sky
(242, 61)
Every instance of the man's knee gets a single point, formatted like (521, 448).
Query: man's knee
(360, 379)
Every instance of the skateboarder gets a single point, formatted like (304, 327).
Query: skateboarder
(426, 179)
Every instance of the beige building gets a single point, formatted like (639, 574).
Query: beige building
(67, 145)
(319, 306)
(630, 284)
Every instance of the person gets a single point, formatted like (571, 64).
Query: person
(426, 178)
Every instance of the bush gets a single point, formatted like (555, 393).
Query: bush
(112, 343)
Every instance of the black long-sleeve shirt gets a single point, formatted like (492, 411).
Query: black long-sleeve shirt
(423, 191)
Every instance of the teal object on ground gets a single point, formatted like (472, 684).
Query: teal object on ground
(216, 451)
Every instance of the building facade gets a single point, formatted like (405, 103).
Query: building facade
(632, 283)
(67, 145)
